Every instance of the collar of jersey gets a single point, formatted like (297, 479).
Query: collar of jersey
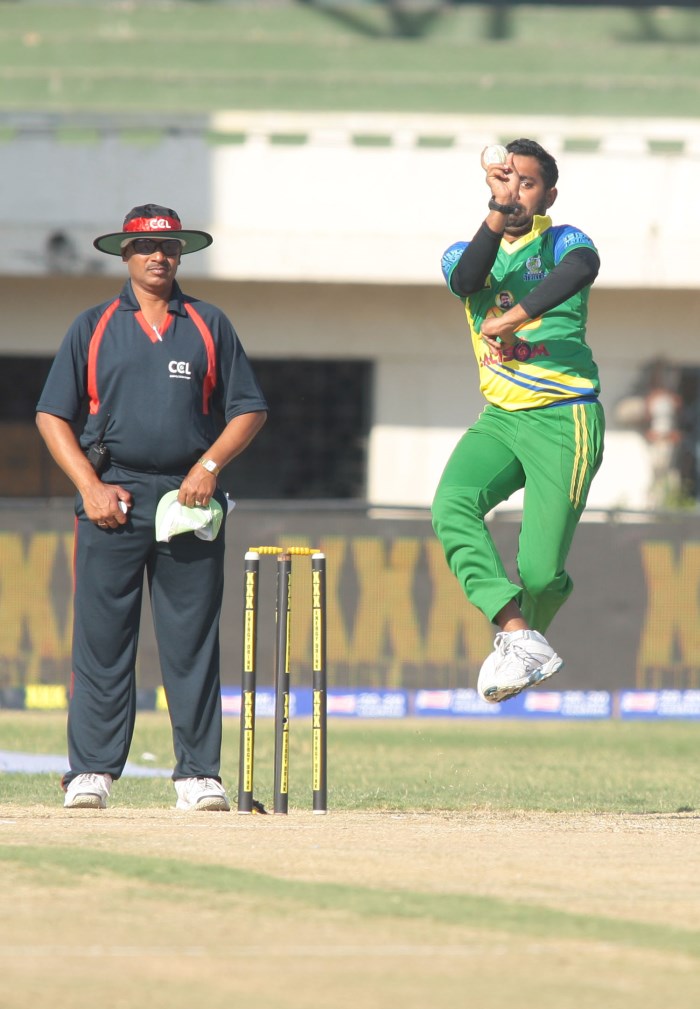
(539, 226)
(128, 299)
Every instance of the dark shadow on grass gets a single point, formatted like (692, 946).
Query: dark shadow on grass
(651, 29)
(403, 23)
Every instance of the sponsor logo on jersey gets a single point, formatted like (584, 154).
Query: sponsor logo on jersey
(179, 369)
(451, 257)
(576, 238)
(522, 351)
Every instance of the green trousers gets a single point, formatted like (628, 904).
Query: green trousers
(553, 453)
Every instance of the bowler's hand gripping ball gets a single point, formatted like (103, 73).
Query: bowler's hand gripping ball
(494, 154)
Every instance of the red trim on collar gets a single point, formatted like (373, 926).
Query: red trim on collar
(149, 331)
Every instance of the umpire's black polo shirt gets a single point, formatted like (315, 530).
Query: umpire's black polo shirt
(162, 390)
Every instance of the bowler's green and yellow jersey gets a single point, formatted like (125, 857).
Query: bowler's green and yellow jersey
(551, 363)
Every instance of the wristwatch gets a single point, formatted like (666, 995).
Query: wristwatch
(209, 465)
(502, 208)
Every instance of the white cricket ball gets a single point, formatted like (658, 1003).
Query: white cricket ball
(494, 154)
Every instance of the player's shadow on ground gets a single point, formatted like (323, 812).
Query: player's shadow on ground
(651, 28)
(398, 22)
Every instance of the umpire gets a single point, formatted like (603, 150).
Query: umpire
(153, 369)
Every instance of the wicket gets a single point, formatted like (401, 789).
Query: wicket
(282, 677)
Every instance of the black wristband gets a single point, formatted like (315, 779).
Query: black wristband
(502, 208)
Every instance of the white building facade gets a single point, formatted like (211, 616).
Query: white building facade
(328, 236)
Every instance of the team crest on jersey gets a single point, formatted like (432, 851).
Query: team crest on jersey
(534, 269)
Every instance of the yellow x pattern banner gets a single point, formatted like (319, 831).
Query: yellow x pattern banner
(396, 616)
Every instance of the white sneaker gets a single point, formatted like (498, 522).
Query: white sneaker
(520, 659)
(201, 793)
(88, 791)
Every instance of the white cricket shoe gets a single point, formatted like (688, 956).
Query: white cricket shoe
(520, 659)
(88, 791)
(201, 793)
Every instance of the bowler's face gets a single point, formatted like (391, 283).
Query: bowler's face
(533, 196)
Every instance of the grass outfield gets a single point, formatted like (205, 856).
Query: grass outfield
(200, 57)
(417, 765)
(546, 866)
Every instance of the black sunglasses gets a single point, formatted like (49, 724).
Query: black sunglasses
(145, 246)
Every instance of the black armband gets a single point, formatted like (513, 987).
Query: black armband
(502, 208)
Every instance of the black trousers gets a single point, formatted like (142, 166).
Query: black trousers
(185, 582)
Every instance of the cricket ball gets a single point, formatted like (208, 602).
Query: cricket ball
(494, 154)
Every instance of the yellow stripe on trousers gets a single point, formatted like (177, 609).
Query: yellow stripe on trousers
(581, 457)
